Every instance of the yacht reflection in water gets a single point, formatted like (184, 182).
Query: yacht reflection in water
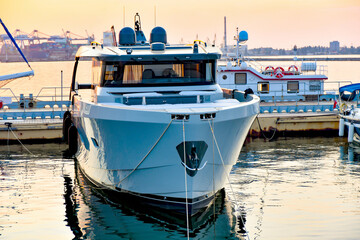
(93, 213)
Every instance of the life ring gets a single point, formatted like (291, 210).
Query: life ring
(279, 74)
(293, 68)
(279, 69)
(343, 107)
(269, 68)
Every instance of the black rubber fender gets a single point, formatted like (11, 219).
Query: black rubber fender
(66, 125)
(248, 91)
(73, 139)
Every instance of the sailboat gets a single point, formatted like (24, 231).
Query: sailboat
(19, 74)
(28, 118)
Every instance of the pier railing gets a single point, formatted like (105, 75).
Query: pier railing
(315, 68)
(49, 102)
(318, 101)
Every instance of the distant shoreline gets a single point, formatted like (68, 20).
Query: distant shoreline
(306, 59)
(257, 58)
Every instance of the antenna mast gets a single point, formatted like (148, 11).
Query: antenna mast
(124, 16)
(225, 45)
(155, 15)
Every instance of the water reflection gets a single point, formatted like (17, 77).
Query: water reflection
(298, 188)
(91, 214)
(291, 188)
(351, 152)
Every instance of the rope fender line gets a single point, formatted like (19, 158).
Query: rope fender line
(227, 176)
(148, 153)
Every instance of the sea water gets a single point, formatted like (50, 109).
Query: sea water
(289, 188)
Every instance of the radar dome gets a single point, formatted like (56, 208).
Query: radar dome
(243, 36)
(243, 66)
(127, 36)
(158, 34)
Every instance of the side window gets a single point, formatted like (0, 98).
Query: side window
(208, 72)
(96, 71)
(109, 72)
(240, 78)
(293, 86)
(263, 87)
(315, 86)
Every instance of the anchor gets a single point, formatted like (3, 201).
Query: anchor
(194, 153)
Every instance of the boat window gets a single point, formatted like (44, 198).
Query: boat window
(293, 86)
(158, 73)
(240, 78)
(315, 86)
(263, 87)
(95, 72)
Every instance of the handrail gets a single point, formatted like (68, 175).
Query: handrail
(258, 66)
(328, 92)
(39, 96)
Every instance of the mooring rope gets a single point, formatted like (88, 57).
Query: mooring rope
(262, 132)
(10, 129)
(152, 148)
(214, 193)
(233, 192)
(186, 196)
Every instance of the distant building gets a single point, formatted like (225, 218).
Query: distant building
(244, 50)
(334, 46)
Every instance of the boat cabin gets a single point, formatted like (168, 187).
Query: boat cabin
(154, 72)
(142, 73)
(274, 84)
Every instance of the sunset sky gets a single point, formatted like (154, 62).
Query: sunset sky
(269, 23)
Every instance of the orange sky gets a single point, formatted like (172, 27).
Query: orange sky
(269, 23)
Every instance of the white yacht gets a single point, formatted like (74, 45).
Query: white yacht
(280, 83)
(157, 126)
(302, 81)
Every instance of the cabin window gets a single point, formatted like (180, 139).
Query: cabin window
(118, 74)
(208, 70)
(224, 77)
(240, 78)
(293, 86)
(315, 86)
(95, 72)
(263, 87)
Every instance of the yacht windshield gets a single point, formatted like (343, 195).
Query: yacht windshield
(117, 74)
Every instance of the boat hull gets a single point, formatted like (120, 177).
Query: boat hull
(141, 153)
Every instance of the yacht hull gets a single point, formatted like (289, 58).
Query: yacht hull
(176, 164)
